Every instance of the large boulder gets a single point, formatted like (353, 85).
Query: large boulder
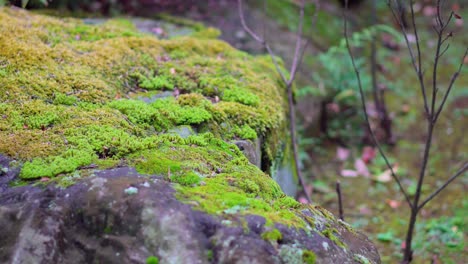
(119, 147)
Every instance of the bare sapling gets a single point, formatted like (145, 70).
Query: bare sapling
(433, 97)
(288, 81)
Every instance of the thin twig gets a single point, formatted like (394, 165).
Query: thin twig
(340, 200)
(297, 61)
(417, 67)
(261, 41)
(452, 81)
(366, 116)
(462, 170)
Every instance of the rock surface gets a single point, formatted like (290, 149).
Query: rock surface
(98, 220)
(92, 172)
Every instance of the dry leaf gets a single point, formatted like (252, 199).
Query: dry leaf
(393, 203)
(361, 168)
(342, 154)
(386, 176)
(349, 173)
(368, 154)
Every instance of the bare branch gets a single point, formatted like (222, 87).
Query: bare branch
(297, 50)
(366, 116)
(416, 66)
(452, 81)
(297, 61)
(261, 41)
(462, 170)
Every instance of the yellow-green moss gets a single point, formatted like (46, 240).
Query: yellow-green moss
(273, 235)
(330, 234)
(308, 257)
(65, 88)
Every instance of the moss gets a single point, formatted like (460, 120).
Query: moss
(186, 179)
(245, 132)
(64, 99)
(209, 255)
(330, 234)
(273, 235)
(240, 96)
(52, 166)
(308, 257)
(155, 83)
(152, 260)
(64, 91)
(361, 259)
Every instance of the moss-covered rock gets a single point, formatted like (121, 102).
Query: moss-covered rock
(73, 108)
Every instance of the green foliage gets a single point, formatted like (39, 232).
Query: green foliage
(337, 84)
(442, 234)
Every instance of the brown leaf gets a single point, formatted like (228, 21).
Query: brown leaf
(457, 16)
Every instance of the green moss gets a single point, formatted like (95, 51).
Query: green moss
(64, 99)
(245, 132)
(64, 91)
(361, 259)
(240, 96)
(186, 179)
(308, 257)
(273, 235)
(330, 234)
(152, 260)
(209, 255)
(155, 83)
(52, 166)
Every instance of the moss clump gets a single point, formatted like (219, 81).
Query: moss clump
(273, 235)
(65, 90)
(308, 257)
(245, 132)
(63, 99)
(152, 260)
(187, 179)
(51, 166)
(155, 83)
(330, 234)
(361, 259)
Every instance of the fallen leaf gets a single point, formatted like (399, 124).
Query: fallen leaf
(349, 173)
(386, 176)
(172, 71)
(368, 154)
(303, 200)
(361, 168)
(393, 203)
(342, 154)
(365, 210)
(45, 179)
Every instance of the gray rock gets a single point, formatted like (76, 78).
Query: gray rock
(95, 221)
